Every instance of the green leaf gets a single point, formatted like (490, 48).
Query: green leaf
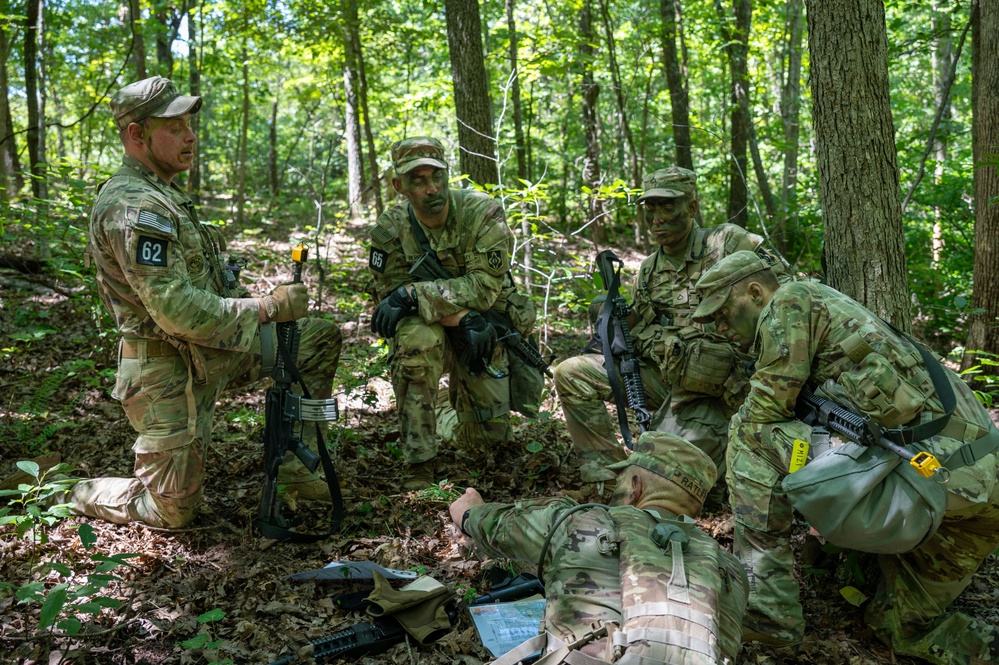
(70, 625)
(52, 606)
(195, 642)
(87, 535)
(211, 615)
(534, 447)
(29, 467)
(60, 568)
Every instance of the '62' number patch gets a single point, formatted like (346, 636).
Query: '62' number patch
(151, 251)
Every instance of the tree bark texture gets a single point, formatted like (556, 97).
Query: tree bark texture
(194, 79)
(34, 91)
(984, 334)
(520, 146)
(679, 103)
(352, 23)
(477, 144)
(590, 91)
(855, 155)
(244, 131)
(352, 130)
(11, 179)
(138, 44)
(790, 109)
(737, 39)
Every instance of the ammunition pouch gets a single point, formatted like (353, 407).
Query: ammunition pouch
(526, 383)
(696, 363)
(209, 364)
(521, 312)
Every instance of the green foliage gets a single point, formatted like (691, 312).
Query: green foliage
(203, 640)
(36, 506)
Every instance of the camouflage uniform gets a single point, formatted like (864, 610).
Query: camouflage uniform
(808, 336)
(603, 567)
(474, 245)
(186, 335)
(664, 300)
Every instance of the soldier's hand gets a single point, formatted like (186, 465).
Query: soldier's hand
(391, 310)
(288, 302)
(462, 504)
(480, 339)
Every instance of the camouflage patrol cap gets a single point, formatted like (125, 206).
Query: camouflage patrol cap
(154, 97)
(669, 183)
(715, 284)
(409, 153)
(677, 460)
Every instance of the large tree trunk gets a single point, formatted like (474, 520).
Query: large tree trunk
(520, 145)
(790, 104)
(138, 44)
(353, 30)
(858, 171)
(194, 79)
(736, 37)
(941, 57)
(244, 131)
(590, 91)
(471, 92)
(984, 334)
(34, 88)
(11, 180)
(675, 81)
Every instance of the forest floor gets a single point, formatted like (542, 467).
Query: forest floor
(57, 370)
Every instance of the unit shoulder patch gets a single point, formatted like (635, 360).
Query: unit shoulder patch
(151, 251)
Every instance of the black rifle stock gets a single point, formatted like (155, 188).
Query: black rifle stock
(368, 638)
(616, 310)
(428, 268)
(811, 409)
(285, 413)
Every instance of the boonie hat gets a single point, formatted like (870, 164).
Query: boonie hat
(715, 284)
(154, 97)
(409, 153)
(677, 460)
(669, 183)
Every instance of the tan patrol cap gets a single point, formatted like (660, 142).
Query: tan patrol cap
(409, 153)
(669, 183)
(715, 284)
(154, 97)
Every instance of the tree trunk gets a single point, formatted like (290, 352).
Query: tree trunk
(518, 117)
(471, 92)
(984, 334)
(855, 155)
(737, 39)
(10, 164)
(138, 44)
(194, 78)
(272, 153)
(352, 23)
(590, 91)
(790, 104)
(679, 105)
(352, 128)
(244, 131)
(941, 57)
(34, 88)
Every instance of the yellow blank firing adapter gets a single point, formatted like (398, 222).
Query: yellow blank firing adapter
(799, 455)
(299, 253)
(925, 463)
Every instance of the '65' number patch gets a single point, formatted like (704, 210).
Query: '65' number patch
(377, 259)
(151, 251)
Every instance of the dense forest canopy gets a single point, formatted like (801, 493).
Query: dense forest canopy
(303, 100)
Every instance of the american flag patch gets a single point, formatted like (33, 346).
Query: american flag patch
(153, 222)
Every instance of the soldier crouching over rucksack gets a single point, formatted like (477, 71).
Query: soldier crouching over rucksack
(632, 582)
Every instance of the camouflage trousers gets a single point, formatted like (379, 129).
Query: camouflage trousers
(172, 415)
(420, 355)
(583, 389)
(908, 611)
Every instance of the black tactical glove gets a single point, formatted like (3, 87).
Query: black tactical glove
(391, 310)
(479, 337)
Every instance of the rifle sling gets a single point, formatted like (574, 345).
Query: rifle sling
(607, 342)
(281, 533)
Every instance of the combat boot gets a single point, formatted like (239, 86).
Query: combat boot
(296, 480)
(419, 476)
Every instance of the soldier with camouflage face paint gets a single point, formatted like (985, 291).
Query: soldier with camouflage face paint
(436, 325)
(665, 591)
(692, 376)
(188, 328)
(809, 335)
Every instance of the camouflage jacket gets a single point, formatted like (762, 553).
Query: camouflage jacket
(474, 245)
(159, 271)
(811, 336)
(617, 566)
(664, 297)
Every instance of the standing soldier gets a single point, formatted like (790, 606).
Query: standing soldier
(187, 328)
(810, 336)
(433, 316)
(693, 376)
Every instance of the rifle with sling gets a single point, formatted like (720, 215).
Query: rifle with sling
(428, 268)
(285, 413)
(616, 311)
(368, 638)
